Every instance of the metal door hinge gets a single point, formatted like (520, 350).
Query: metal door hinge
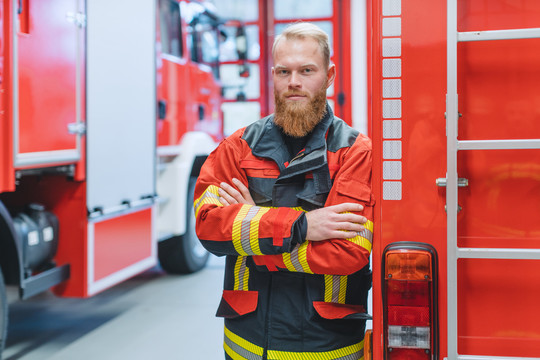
(462, 182)
(77, 128)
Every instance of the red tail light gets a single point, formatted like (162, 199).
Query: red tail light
(410, 302)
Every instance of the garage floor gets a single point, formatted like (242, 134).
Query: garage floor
(152, 316)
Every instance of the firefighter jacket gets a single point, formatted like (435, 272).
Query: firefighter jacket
(285, 297)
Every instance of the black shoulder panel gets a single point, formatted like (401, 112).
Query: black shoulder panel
(254, 131)
(340, 135)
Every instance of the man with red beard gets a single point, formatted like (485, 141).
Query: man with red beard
(288, 201)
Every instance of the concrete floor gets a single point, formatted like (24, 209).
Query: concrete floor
(152, 316)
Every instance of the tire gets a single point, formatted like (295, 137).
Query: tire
(3, 314)
(184, 254)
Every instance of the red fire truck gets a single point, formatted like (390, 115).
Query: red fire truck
(108, 110)
(455, 101)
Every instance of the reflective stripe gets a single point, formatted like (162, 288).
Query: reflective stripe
(240, 349)
(335, 288)
(353, 352)
(209, 196)
(365, 237)
(296, 260)
(241, 274)
(245, 232)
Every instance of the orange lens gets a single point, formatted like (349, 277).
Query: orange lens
(408, 265)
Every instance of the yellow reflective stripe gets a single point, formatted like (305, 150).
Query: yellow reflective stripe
(245, 231)
(342, 289)
(231, 353)
(361, 241)
(365, 237)
(328, 286)
(237, 229)
(296, 260)
(241, 274)
(353, 352)
(254, 231)
(302, 257)
(369, 226)
(335, 288)
(209, 196)
(288, 263)
(243, 344)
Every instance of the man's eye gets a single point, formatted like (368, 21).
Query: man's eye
(308, 70)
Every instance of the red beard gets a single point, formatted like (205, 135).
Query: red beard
(298, 119)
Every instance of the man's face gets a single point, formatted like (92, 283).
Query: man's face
(300, 82)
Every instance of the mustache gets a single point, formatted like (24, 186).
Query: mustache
(294, 93)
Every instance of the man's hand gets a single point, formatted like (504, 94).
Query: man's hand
(229, 195)
(331, 222)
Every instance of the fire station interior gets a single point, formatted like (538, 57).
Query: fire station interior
(154, 313)
(108, 110)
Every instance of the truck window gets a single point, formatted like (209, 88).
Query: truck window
(206, 43)
(170, 27)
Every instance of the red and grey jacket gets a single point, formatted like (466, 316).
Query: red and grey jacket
(285, 297)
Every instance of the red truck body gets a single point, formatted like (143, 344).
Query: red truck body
(499, 98)
(103, 128)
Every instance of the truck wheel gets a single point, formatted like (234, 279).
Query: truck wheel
(184, 254)
(3, 314)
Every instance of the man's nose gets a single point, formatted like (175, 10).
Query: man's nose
(294, 80)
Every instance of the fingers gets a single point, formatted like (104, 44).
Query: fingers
(230, 195)
(344, 207)
(353, 218)
(243, 190)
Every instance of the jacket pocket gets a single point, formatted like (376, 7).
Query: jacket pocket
(355, 190)
(235, 303)
(335, 311)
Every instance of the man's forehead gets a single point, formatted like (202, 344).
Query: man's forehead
(307, 47)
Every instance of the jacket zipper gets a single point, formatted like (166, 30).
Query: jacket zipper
(267, 321)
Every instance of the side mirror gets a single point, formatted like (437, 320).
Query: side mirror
(241, 43)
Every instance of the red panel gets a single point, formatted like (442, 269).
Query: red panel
(498, 306)
(121, 242)
(499, 98)
(7, 176)
(47, 88)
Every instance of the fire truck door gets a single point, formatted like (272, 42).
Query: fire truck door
(121, 104)
(47, 82)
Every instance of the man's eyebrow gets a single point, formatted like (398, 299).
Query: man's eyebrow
(302, 66)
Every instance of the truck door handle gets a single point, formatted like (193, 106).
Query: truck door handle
(201, 112)
(162, 109)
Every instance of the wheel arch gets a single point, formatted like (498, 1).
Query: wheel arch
(195, 147)
(10, 256)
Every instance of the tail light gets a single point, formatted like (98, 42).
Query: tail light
(410, 301)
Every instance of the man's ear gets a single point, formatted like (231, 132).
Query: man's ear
(272, 71)
(331, 75)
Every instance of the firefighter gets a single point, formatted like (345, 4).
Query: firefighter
(288, 201)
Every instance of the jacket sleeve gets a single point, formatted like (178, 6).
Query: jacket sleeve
(336, 256)
(239, 229)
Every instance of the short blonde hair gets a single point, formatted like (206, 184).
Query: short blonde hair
(303, 30)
